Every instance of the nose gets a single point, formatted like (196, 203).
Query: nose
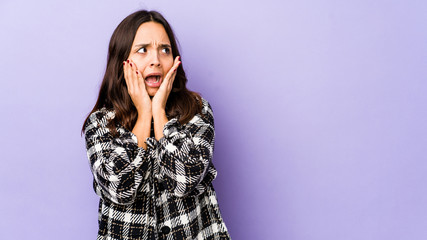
(154, 60)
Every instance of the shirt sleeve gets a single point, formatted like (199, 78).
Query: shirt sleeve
(185, 154)
(118, 165)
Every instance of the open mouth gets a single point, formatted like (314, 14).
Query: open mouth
(153, 78)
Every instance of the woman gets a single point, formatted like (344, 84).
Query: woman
(150, 141)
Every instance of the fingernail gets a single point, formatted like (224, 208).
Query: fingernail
(131, 64)
(124, 62)
(179, 58)
(128, 60)
(136, 72)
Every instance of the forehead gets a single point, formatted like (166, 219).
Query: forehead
(151, 32)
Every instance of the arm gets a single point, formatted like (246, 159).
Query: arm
(185, 154)
(142, 129)
(138, 93)
(118, 165)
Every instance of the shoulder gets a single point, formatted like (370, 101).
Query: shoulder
(206, 114)
(99, 118)
(206, 107)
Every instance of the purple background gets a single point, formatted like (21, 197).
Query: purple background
(320, 113)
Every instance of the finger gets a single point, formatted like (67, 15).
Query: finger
(132, 73)
(140, 80)
(172, 78)
(172, 72)
(176, 63)
(126, 71)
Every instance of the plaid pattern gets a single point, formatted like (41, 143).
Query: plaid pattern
(163, 192)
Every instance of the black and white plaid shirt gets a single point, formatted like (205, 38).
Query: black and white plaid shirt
(163, 192)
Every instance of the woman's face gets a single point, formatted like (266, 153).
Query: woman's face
(152, 53)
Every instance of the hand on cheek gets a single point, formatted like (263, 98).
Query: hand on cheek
(136, 87)
(162, 94)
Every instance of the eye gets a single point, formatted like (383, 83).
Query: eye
(142, 50)
(166, 50)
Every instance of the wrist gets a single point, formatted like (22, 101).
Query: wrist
(145, 115)
(159, 113)
(160, 120)
(158, 110)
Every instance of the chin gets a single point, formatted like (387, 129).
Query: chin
(152, 91)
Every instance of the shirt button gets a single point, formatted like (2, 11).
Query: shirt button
(165, 230)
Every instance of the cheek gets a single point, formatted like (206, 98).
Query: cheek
(167, 65)
(140, 63)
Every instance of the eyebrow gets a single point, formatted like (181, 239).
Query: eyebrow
(138, 46)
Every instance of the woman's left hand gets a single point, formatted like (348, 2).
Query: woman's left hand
(161, 97)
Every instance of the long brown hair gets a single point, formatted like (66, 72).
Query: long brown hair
(113, 94)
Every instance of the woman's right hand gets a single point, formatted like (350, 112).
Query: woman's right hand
(136, 88)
